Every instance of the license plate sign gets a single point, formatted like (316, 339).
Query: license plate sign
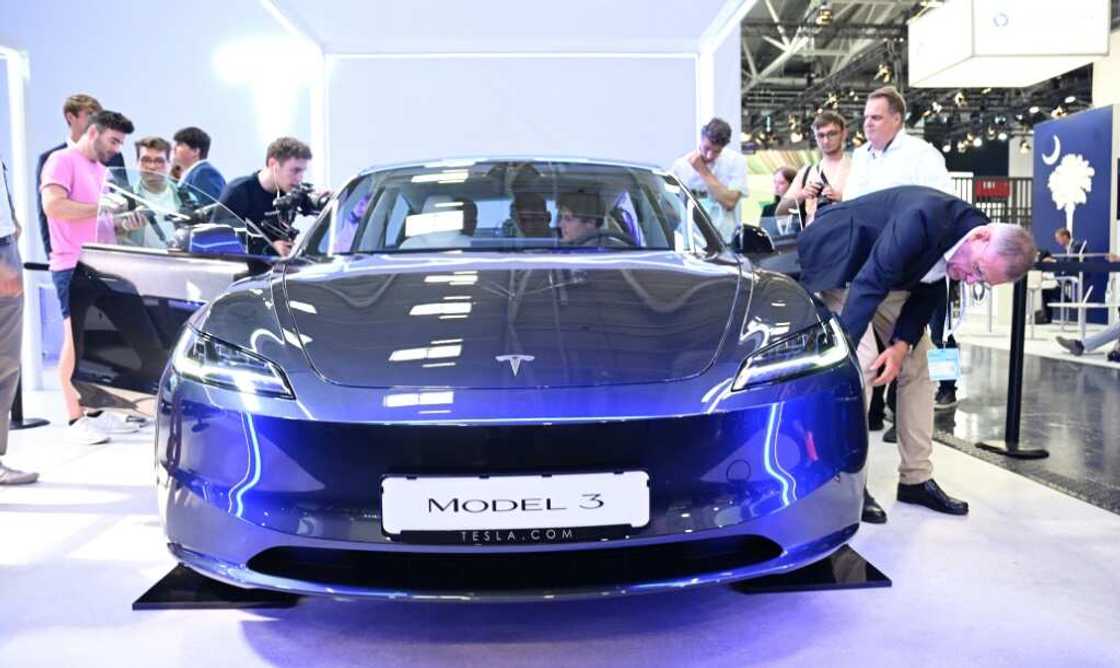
(514, 502)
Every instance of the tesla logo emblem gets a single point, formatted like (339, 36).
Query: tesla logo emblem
(515, 361)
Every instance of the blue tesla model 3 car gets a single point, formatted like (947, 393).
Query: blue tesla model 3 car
(496, 379)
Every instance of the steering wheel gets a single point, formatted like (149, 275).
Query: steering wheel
(603, 234)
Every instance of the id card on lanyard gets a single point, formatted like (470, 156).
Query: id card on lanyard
(945, 363)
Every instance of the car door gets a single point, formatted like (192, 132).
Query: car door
(161, 253)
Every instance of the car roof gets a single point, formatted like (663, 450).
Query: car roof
(465, 161)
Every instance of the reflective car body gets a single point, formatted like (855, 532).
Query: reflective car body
(509, 416)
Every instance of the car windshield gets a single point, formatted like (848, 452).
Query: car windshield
(148, 209)
(511, 206)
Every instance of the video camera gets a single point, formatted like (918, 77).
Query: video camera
(302, 200)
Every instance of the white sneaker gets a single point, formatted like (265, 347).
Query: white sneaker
(83, 432)
(111, 423)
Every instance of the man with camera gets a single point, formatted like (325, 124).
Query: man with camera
(267, 200)
(818, 185)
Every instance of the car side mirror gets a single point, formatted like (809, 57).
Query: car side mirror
(751, 240)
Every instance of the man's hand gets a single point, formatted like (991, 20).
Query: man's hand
(283, 247)
(11, 285)
(812, 189)
(697, 162)
(832, 193)
(891, 362)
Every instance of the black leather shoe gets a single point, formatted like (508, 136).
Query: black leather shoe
(890, 435)
(873, 513)
(1114, 355)
(875, 424)
(945, 400)
(931, 496)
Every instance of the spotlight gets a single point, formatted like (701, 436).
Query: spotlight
(959, 99)
(1025, 146)
(978, 142)
(1071, 99)
(1058, 112)
(1033, 110)
(824, 13)
(936, 106)
(1002, 136)
(744, 137)
(961, 146)
(795, 137)
(990, 132)
(946, 147)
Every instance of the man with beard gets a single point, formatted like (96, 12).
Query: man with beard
(72, 180)
(76, 110)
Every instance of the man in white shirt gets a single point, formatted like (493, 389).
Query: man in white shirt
(717, 176)
(891, 157)
(11, 323)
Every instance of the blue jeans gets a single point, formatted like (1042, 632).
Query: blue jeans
(61, 280)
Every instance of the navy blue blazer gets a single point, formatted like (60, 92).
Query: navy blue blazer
(115, 163)
(206, 178)
(887, 240)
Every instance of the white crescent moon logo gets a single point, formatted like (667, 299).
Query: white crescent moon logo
(1053, 157)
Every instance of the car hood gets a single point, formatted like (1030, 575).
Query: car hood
(489, 321)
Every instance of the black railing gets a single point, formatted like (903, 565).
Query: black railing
(1005, 199)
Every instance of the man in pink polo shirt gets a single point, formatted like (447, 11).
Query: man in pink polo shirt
(70, 189)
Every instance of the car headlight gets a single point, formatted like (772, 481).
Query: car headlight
(208, 360)
(808, 350)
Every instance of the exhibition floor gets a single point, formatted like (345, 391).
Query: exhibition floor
(1028, 578)
(1068, 408)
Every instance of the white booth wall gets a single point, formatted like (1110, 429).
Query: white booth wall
(400, 81)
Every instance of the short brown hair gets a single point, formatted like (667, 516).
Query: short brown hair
(286, 148)
(717, 131)
(788, 173)
(894, 99)
(79, 102)
(583, 204)
(158, 143)
(829, 118)
(111, 120)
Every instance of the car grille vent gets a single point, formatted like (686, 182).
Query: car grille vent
(511, 572)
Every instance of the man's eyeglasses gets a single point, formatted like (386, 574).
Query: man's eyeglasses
(827, 135)
(152, 161)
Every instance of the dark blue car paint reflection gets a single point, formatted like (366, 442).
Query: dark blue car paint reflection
(634, 355)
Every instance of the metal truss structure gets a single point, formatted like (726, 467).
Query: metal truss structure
(803, 56)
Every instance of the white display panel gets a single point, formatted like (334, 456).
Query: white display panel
(1005, 43)
(384, 111)
(515, 502)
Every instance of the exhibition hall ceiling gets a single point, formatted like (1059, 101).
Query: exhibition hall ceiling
(425, 26)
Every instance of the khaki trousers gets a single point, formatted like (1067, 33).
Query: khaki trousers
(914, 412)
(11, 331)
